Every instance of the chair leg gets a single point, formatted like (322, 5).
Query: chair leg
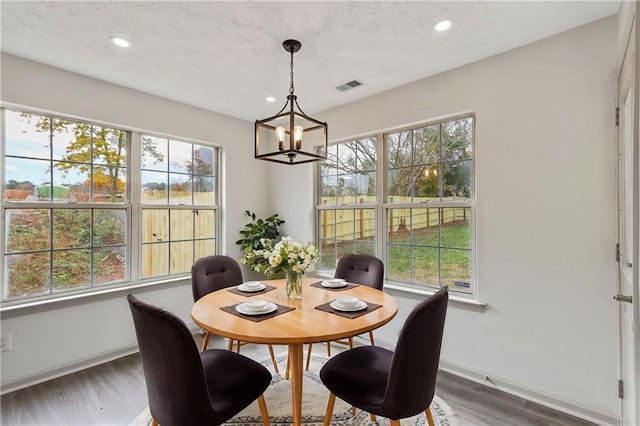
(350, 342)
(373, 418)
(328, 348)
(353, 411)
(154, 422)
(205, 342)
(427, 412)
(373, 343)
(230, 345)
(238, 350)
(309, 355)
(329, 413)
(273, 359)
(394, 422)
(263, 410)
(288, 369)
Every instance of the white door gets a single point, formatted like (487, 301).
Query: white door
(628, 206)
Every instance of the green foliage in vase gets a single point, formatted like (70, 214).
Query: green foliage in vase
(258, 237)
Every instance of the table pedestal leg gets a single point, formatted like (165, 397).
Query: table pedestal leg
(295, 360)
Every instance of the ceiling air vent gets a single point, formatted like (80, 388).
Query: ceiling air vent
(349, 85)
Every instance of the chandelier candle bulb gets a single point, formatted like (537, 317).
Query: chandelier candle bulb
(297, 136)
(280, 134)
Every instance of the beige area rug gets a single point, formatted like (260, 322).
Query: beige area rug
(314, 404)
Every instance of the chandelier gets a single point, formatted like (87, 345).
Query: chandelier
(280, 138)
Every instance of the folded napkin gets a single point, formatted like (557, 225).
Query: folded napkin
(266, 288)
(346, 287)
(257, 318)
(348, 314)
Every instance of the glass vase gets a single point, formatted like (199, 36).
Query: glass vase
(294, 284)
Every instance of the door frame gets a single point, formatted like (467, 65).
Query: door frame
(629, 404)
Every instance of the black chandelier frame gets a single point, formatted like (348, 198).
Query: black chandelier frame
(294, 152)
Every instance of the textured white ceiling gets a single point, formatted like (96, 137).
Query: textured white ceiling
(228, 56)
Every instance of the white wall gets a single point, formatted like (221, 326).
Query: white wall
(545, 219)
(63, 335)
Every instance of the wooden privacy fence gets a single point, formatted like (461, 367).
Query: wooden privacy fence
(360, 223)
(168, 238)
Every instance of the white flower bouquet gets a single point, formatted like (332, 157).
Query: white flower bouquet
(258, 259)
(294, 258)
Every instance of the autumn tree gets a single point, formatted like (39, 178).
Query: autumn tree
(98, 152)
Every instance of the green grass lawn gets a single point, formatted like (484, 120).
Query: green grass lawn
(452, 255)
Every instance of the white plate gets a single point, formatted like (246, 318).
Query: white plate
(359, 306)
(331, 285)
(242, 287)
(243, 309)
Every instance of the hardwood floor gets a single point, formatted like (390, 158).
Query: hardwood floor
(115, 393)
(478, 405)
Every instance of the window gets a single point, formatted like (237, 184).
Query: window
(426, 205)
(347, 201)
(178, 205)
(69, 220)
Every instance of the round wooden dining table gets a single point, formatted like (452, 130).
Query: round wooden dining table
(304, 324)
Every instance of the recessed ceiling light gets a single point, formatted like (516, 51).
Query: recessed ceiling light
(119, 42)
(270, 99)
(443, 25)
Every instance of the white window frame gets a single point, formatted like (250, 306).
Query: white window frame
(133, 205)
(142, 206)
(382, 205)
(349, 206)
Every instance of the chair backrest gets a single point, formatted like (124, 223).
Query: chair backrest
(176, 385)
(213, 273)
(414, 366)
(361, 269)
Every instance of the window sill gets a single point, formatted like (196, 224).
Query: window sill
(464, 301)
(452, 296)
(20, 307)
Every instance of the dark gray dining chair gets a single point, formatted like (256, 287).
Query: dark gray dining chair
(188, 387)
(212, 273)
(361, 269)
(393, 384)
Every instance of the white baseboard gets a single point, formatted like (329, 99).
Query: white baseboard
(530, 394)
(470, 374)
(65, 369)
(72, 367)
(522, 391)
